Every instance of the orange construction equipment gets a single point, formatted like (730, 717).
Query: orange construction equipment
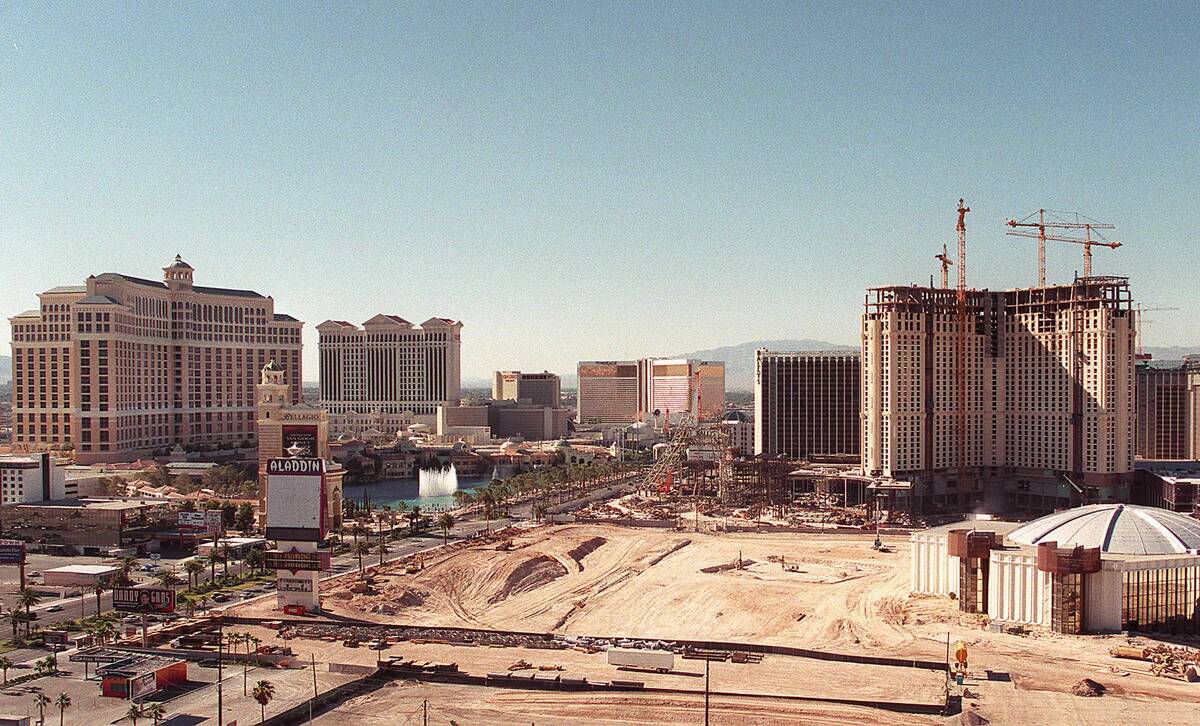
(944, 258)
(1041, 225)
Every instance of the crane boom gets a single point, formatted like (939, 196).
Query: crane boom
(944, 258)
(1041, 225)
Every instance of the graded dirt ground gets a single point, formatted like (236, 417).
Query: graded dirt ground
(829, 592)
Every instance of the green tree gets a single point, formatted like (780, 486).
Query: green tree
(446, 521)
(255, 559)
(40, 702)
(99, 587)
(27, 598)
(188, 505)
(360, 549)
(125, 573)
(63, 702)
(154, 711)
(414, 518)
(134, 713)
(213, 558)
(263, 692)
(244, 520)
(5, 664)
(167, 579)
(193, 568)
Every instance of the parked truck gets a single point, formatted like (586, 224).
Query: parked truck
(649, 660)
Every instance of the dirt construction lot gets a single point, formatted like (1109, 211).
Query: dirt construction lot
(825, 592)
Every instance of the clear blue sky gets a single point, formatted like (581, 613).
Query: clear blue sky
(593, 180)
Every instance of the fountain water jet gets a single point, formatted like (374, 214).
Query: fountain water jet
(437, 482)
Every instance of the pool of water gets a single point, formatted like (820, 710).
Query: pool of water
(393, 491)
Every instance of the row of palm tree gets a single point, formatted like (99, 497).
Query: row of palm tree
(538, 485)
(153, 711)
(63, 702)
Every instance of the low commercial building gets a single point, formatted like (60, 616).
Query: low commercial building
(78, 575)
(87, 526)
(1099, 568)
(33, 478)
(138, 676)
(236, 547)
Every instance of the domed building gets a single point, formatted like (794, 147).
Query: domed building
(1092, 569)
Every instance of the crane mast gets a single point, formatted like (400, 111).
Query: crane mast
(961, 362)
(944, 258)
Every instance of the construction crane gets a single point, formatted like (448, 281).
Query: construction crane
(1141, 347)
(944, 258)
(1041, 225)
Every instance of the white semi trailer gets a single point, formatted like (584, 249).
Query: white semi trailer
(655, 660)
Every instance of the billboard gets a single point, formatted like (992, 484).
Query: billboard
(143, 685)
(296, 561)
(289, 584)
(208, 520)
(301, 435)
(296, 499)
(12, 552)
(143, 600)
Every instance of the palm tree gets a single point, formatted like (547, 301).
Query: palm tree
(14, 617)
(446, 521)
(27, 599)
(5, 664)
(134, 713)
(63, 702)
(488, 499)
(360, 549)
(254, 559)
(128, 562)
(213, 558)
(167, 578)
(263, 692)
(40, 702)
(383, 550)
(154, 711)
(104, 631)
(98, 588)
(539, 511)
(414, 517)
(193, 568)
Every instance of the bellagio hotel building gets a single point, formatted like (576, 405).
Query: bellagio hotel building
(123, 366)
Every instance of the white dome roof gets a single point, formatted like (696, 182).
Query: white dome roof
(1119, 529)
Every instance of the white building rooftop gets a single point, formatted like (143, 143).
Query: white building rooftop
(1119, 529)
(85, 569)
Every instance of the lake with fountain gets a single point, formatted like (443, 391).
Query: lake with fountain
(432, 491)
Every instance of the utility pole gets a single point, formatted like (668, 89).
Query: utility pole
(425, 709)
(707, 662)
(220, 661)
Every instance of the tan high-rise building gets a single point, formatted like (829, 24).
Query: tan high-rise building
(1168, 410)
(390, 365)
(1045, 415)
(613, 392)
(123, 366)
(608, 392)
(539, 389)
(807, 404)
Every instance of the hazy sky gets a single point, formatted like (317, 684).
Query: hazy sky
(593, 180)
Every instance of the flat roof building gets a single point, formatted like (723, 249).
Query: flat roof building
(1027, 405)
(390, 365)
(537, 389)
(807, 403)
(122, 366)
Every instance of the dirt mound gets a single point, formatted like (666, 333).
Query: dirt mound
(529, 575)
(893, 610)
(1088, 687)
(672, 550)
(970, 718)
(585, 548)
